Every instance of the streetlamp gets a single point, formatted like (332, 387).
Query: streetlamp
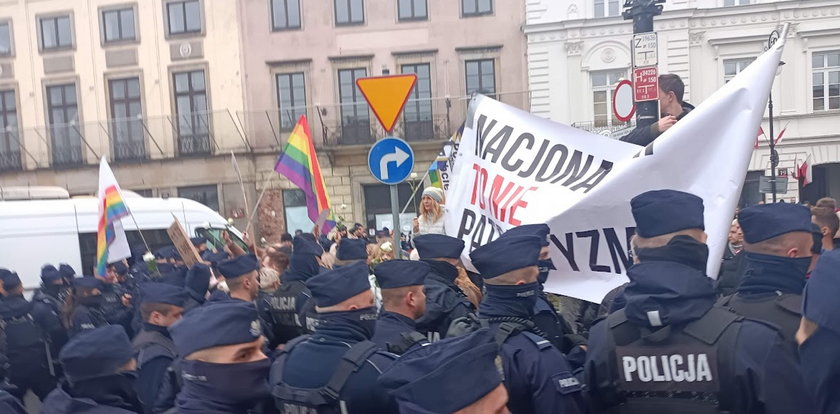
(774, 156)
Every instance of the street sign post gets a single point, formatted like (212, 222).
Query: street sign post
(390, 161)
(645, 84)
(645, 52)
(622, 103)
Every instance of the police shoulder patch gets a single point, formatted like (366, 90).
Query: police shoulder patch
(566, 383)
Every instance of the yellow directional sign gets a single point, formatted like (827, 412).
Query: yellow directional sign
(387, 96)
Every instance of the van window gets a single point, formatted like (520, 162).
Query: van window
(156, 238)
(215, 240)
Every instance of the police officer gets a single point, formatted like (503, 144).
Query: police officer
(8, 402)
(200, 244)
(116, 301)
(161, 306)
(456, 375)
(819, 333)
(284, 312)
(241, 277)
(99, 375)
(68, 274)
(50, 295)
(537, 375)
(27, 327)
(670, 350)
(777, 254)
(554, 326)
(335, 370)
(223, 367)
(85, 306)
(445, 302)
(403, 302)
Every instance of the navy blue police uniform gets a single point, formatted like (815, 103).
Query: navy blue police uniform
(334, 370)
(537, 375)
(818, 354)
(94, 382)
(771, 287)
(463, 369)
(669, 350)
(235, 388)
(238, 266)
(68, 274)
(49, 295)
(554, 327)
(153, 346)
(445, 301)
(88, 313)
(396, 332)
(27, 326)
(284, 312)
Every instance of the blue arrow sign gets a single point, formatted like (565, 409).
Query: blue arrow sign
(390, 160)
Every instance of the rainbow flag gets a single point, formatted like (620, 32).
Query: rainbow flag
(434, 176)
(111, 244)
(299, 163)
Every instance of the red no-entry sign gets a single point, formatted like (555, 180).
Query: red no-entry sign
(622, 102)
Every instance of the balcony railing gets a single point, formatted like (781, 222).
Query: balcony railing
(220, 132)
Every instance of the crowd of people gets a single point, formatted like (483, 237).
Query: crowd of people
(335, 324)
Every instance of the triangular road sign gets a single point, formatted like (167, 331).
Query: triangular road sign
(387, 96)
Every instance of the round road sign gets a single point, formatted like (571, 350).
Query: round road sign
(622, 102)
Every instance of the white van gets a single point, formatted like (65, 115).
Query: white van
(36, 232)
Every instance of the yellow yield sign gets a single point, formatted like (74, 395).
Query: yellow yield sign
(387, 96)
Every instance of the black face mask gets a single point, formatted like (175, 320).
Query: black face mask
(680, 249)
(516, 300)
(53, 290)
(93, 301)
(227, 384)
(364, 318)
(545, 266)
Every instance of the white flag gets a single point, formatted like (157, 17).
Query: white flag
(111, 243)
(514, 168)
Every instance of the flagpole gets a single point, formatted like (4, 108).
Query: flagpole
(241, 183)
(257, 206)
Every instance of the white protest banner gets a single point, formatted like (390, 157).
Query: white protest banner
(514, 168)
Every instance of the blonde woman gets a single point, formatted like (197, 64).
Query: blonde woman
(430, 220)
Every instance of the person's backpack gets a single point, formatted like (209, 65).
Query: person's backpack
(324, 400)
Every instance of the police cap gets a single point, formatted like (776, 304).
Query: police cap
(337, 285)
(95, 353)
(50, 274)
(766, 221)
(10, 279)
(163, 293)
(89, 282)
(214, 324)
(351, 249)
(540, 230)
(238, 266)
(445, 376)
(438, 246)
(66, 270)
(506, 254)
(197, 281)
(393, 274)
(305, 245)
(661, 212)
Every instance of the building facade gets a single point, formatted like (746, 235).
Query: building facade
(311, 53)
(153, 86)
(167, 90)
(581, 48)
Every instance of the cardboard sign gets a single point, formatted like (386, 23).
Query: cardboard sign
(182, 242)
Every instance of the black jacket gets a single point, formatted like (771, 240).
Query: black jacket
(646, 131)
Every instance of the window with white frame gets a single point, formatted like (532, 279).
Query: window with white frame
(732, 67)
(603, 83)
(607, 8)
(727, 3)
(826, 79)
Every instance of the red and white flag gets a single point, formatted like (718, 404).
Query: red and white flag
(805, 171)
(760, 133)
(781, 134)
